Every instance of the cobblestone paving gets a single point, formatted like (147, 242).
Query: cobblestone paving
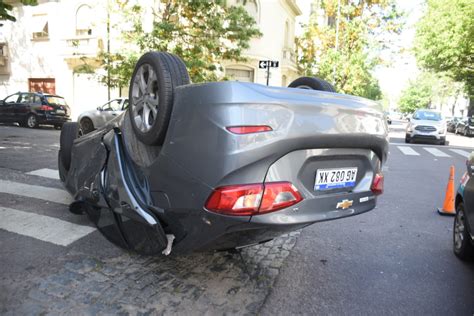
(209, 283)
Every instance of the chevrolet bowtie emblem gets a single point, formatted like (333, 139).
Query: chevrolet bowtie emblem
(345, 204)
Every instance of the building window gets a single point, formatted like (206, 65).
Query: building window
(251, 6)
(83, 21)
(239, 74)
(287, 35)
(40, 27)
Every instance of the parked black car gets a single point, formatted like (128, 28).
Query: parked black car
(451, 124)
(465, 127)
(30, 109)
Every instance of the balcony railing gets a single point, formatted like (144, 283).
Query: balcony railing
(289, 57)
(81, 46)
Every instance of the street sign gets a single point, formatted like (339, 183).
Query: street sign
(267, 64)
(264, 64)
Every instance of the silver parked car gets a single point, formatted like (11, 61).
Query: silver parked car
(92, 120)
(426, 125)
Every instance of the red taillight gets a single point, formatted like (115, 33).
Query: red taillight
(249, 129)
(236, 199)
(46, 108)
(377, 184)
(253, 199)
(279, 195)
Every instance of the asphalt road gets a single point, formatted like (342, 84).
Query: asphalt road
(396, 259)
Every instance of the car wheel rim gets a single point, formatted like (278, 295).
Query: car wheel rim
(31, 121)
(304, 87)
(145, 100)
(459, 230)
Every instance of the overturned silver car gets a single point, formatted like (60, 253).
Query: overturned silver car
(222, 165)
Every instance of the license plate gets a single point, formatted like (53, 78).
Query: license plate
(327, 179)
(60, 112)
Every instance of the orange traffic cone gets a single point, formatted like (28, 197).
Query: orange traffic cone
(448, 206)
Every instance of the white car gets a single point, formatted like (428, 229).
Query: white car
(426, 125)
(91, 120)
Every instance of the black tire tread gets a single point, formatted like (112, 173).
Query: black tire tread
(467, 249)
(69, 133)
(314, 82)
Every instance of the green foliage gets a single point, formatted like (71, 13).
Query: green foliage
(202, 33)
(118, 69)
(444, 40)
(426, 89)
(5, 9)
(363, 29)
(417, 96)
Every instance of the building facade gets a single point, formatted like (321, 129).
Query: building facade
(52, 46)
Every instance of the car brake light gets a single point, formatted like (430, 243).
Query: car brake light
(279, 195)
(249, 129)
(252, 199)
(46, 108)
(377, 184)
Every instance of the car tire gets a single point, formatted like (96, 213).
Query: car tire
(87, 125)
(58, 126)
(156, 75)
(69, 133)
(462, 246)
(407, 139)
(22, 123)
(312, 83)
(31, 121)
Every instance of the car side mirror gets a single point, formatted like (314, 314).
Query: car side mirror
(2, 102)
(99, 108)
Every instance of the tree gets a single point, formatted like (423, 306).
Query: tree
(5, 9)
(349, 58)
(427, 90)
(202, 33)
(418, 95)
(444, 41)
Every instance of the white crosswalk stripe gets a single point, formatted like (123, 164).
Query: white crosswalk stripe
(47, 173)
(35, 191)
(42, 227)
(461, 152)
(436, 152)
(408, 151)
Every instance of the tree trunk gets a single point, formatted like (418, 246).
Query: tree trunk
(470, 108)
(470, 93)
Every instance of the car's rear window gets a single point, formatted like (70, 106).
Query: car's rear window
(56, 100)
(427, 115)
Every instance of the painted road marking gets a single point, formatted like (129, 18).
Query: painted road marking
(42, 227)
(47, 173)
(461, 152)
(35, 191)
(408, 151)
(436, 152)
